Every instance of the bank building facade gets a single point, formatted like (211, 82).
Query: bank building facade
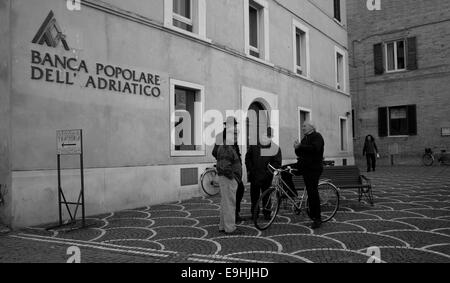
(124, 72)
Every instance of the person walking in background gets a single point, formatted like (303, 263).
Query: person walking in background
(310, 163)
(370, 150)
(256, 160)
(229, 170)
(220, 139)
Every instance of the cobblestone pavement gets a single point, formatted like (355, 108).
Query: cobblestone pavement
(410, 222)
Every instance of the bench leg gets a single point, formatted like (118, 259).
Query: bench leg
(367, 193)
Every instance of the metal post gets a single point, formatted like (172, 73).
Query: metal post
(82, 181)
(59, 189)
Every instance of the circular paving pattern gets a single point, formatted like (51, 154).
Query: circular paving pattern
(409, 222)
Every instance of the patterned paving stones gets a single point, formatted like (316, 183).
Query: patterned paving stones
(410, 222)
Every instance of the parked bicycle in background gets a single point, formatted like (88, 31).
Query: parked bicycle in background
(209, 181)
(429, 157)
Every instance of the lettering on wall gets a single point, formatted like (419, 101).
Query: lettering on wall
(70, 70)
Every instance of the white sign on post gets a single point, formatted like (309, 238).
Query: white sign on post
(68, 142)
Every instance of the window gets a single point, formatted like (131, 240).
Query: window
(353, 123)
(182, 14)
(395, 56)
(343, 133)
(337, 10)
(340, 69)
(253, 15)
(304, 115)
(257, 29)
(301, 49)
(186, 118)
(186, 16)
(397, 121)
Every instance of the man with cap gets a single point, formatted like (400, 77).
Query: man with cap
(229, 170)
(220, 139)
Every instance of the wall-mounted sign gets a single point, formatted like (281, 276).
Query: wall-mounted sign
(445, 132)
(393, 149)
(69, 142)
(72, 70)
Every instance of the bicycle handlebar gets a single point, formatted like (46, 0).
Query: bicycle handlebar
(275, 171)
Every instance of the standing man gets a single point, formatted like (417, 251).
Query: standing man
(256, 160)
(310, 163)
(229, 170)
(220, 139)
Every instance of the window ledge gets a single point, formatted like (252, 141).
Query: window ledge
(399, 136)
(260, 60)
(308, 78)
(342, 92)
(191, 34)
(395, 71)
(187, 153)
(338, 22)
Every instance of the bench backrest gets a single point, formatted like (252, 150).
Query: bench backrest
(341, 176)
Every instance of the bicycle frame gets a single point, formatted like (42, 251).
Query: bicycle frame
(278, 183)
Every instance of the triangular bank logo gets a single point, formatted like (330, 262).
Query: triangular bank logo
(50, 33)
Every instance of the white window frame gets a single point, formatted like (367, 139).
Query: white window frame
(297, 25)
(199, 31)
(396, 69)
(299, 120)
(198, 119)
(346, 134)
(183, 19)
(263, 45)
(340, 51)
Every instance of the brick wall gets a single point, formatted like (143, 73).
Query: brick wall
(428, 87)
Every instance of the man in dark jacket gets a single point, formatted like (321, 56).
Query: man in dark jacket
(256, 160)
(220, 139)
(370, 150)
(310, 163)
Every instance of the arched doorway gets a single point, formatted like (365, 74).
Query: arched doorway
(257, 121)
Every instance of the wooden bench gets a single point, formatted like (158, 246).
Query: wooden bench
(343, 177)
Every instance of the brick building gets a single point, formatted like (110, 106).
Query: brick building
(399, 60)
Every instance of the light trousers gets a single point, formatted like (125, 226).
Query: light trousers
(228, 188)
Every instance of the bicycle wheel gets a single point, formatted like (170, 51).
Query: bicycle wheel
(268, 204)
(329, 201)
(209, 182)
(427, 159)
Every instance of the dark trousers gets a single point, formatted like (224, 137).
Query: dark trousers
(256, 189)
(311, 179)
(239, 195)
(371, 161)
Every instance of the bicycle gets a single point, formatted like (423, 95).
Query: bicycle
(271, 199)
(209, 181)
(429, 157)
